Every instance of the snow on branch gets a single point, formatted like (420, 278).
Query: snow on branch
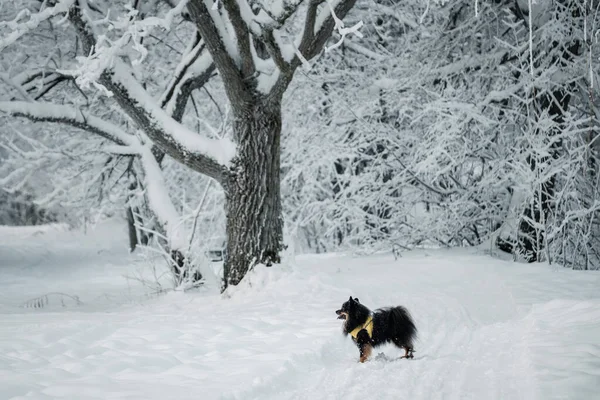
(67, 115)
(159, 125)
(278, 13)
(12, 83)
(160, 201)
(125, 144)
(342, 30)
(25, 21)
(31, 85)
(167, 21)
(275, 49)
(194, 70)
(364, 51)
(221, 44)
(103, 51)
(242, 35)
(318, 27)
(204, 155)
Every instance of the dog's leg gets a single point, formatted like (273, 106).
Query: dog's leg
(408, 349)
(363, 341)
(365, 352)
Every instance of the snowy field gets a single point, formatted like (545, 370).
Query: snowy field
(489, 329)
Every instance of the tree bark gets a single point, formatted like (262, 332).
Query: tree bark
(131, 230)
(253, 198)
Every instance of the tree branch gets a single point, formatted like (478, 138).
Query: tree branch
(207, 156)
(317, 30)
(192, 73)
(173, 4)
(126, 144)
(243, 37)
(40, 81)
(203, 155)
(33, 21)
(46, 112)
(233, 79)
(274, 50)
(287, 10)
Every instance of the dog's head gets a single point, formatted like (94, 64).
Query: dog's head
(347, 308)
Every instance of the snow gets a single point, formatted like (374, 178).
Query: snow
(266, 82)
(221, 150)
(165, 22)
(277, 7)
(54, 112)
(248, 16)
(20, 26)
(160, 201)
(192, 68)
(225, 31)
(488, 328)
(199, 67)
(324, 14)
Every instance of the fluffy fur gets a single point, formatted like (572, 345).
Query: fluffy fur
(390, 325)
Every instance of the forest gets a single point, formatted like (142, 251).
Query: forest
(196, 195)
(261, 127)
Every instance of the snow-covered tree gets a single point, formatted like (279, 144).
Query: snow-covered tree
(109, 48)
(448, 137)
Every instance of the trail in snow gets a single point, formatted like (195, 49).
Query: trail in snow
(488, 329)
(469, 347)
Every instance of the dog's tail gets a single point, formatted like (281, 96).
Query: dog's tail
(403, 326)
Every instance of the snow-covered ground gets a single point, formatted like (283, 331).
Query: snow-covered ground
(489, 329)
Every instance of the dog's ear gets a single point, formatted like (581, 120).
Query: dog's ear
(356, 300)
(351, 300)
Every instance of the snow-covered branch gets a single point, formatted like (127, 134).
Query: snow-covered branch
(167, 133)
(279, 12)
(70, 116)
(208, 156)
(40, 81)
(221, 46)
(124, 144)
(340, 27)
(318, 27)
(25, 21)
(161, 203)
(193, 72)
(242, 36)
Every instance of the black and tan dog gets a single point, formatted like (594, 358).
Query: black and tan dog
(371, 329)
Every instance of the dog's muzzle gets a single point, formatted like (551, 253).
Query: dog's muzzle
(341, 314)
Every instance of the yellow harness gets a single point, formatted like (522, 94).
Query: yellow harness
(368, 326)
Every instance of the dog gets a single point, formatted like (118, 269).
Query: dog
(371, 329)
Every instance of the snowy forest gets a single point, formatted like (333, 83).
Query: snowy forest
(313, 126)
(190, 191)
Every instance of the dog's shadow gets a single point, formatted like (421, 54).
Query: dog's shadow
(384, 358)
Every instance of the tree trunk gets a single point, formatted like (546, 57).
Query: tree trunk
(531, 241)
(532, 237)
(253, 196)
(131, 230)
